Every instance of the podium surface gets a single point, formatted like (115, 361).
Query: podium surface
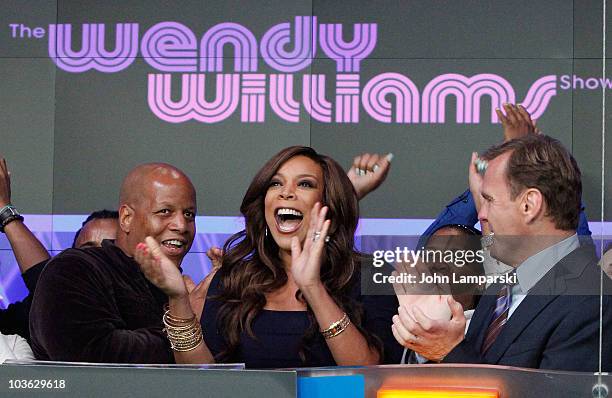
(387, 381)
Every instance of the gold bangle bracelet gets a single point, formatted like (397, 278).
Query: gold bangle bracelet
(184, 334)
(337, 327)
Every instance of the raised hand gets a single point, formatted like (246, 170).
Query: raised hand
(5, 184)
(159, 269)
(306, 261)
(215, 255)
(516, 122)
(430, 338)
(368, 171)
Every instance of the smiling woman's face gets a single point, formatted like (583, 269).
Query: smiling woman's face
(293, 191)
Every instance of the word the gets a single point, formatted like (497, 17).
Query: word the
(22, 31)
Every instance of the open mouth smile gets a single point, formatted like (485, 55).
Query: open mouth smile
(174, 246)
(288, 220)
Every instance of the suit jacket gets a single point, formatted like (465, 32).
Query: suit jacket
(556, 326)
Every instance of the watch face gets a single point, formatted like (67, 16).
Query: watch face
(9, 209)
(8, 214)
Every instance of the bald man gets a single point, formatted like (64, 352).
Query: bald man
(95, 305)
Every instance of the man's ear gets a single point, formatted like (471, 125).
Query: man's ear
(532, 205)
(126, 216)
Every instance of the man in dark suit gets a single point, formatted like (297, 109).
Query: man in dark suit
(550, 316)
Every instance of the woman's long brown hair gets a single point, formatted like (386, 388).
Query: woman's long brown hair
(252, 267)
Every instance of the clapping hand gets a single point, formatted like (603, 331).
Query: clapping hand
(306, 260)
(431, 338)
(430, 298)
(159, 269)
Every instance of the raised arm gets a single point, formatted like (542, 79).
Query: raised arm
(27, 249)
(368, 171)
(516, 122)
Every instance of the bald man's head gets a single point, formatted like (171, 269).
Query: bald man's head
(141, 176)
(157, 200)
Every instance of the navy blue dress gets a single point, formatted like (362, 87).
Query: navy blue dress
(279, 333)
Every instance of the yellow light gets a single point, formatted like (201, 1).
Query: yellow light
(437, 393)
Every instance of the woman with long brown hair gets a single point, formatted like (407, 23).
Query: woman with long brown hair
(288, 291)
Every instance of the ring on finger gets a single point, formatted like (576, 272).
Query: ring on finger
(316, 236)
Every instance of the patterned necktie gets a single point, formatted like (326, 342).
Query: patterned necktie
(500, 316)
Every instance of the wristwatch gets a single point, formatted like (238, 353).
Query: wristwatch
(8, 214)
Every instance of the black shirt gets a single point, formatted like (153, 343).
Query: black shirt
(95, 305)
(279, 334)
(15, 318)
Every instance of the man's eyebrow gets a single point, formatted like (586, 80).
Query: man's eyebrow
(486, 196)
(173, 205)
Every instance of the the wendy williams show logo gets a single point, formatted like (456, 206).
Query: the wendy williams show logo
(210, 93)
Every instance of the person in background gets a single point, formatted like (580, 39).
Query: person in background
(432, 298)
(31, 257)
(30, 254)
(99, 225)
(14, 347)
(459, 238)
